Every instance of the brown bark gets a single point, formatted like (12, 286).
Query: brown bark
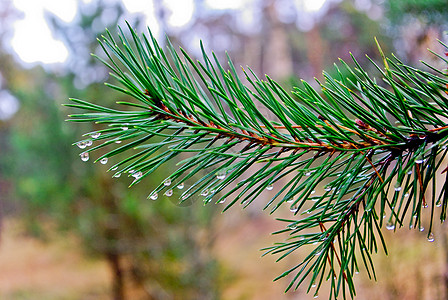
(114, 261)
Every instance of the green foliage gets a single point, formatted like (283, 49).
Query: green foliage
(434, 11)
(358, 155)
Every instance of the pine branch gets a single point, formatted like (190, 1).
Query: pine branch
(346, 160)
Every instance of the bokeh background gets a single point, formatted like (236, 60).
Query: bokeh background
(70, 231)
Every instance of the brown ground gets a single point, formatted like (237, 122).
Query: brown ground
(31, 269)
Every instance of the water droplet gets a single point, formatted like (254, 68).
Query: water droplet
(390, 226)
(397, 188)
(137, 175)
(292, 226)
(81, 145)
(96, 135)
(104, 160)
(131, 171)
(117, 142)
(167, 182)
(313, 192)
(114, 168)
(422, 228)
(294, 209)
(204, 192)
(270, 187)
(328, 188)
(85, 156)
(290, 200)
(316, 296)
(356, 272)
(409, 172)
(425, 205)
(125, 127)
(222, 200)
(307, 173)
(438, 204)
(221, 176)
(314, 285)
(154, 196)
(431, 237)
(180, 186)
(406, 195)
(169, 193)
(411, 226)
(89, 143)
(117, 175)
(420, 160)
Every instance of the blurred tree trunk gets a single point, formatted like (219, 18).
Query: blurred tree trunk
(112, 238)
(315, 51)
(276, 54)
(114, 261)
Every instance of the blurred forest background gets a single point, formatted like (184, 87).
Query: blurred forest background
(70, 231)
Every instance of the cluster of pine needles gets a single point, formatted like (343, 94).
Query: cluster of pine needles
(358, 154)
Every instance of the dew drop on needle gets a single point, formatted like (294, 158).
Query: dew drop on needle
(221, 176)
(81, 145)
(390, 226)
(96, 135)
(137, 175)
(85, 156)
